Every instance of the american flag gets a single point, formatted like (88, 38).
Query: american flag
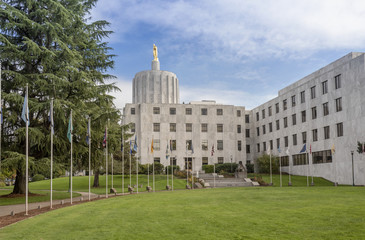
(104, 141)
(212, 150)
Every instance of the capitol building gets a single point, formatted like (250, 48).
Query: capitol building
(324, 110)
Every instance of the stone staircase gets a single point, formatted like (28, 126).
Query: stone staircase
(221, 181)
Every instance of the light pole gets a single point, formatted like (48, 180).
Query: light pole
(353, 177)
(231, 163)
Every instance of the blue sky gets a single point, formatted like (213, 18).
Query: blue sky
(236, 52)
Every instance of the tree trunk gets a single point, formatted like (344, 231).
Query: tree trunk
(19, 187)
(96, 178)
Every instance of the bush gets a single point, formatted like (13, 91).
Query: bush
(250, 167)
(176, 168)
(208, 168)
(264, 164)
(226, 168)
(37, 177)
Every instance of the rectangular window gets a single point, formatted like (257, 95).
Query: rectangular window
(314, 112)
(300, 159)
(189, 144)
(304, 116)
(315, 135)
(248, 149)
(285, 122)
(133, 127)
(322, 157)
(258, 131)
(238, 113)
(304, 137)
(172, 111)
(271, 145)
(220, 160)
(247, 118)
(293, 103)
(258, 147)
(219, 127)
(278, 143)
(324, 87)
(339, 129)
(277, 125)
(294, 119)
(156, 144)
(247, 133)
(189, 127)
(257, 116)
(219, 111)
(277, 108)
(264, 146)
(204, 127)
(204, 111)
(294, 139)
(133, 111)
(327, 132)
(338, 81)
(263, 113)
(173, 145)
(204, 160)
(313, 92)
(270, 127)
(338, 104)
(239, 145)
(156, 110)
(156, 127)
(263, 129)
(219, 144)
(285, 104)
(205, 145)
(325, 109)
(172, 127)
(286, 141)
(270, 111)
(238, 128)
(188, 111)
(302, 97)
(284, 161)
(156, 160)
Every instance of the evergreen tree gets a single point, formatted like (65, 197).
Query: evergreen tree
(49, 45)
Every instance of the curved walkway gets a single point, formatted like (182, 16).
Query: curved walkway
(18, 208)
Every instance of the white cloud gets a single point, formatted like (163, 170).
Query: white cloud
(236, 28)
(125, 96)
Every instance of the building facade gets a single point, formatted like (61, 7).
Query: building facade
(325, 110)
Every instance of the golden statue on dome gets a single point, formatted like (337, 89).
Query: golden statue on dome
(155, 53)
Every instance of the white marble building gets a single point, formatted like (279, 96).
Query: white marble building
(327, 107)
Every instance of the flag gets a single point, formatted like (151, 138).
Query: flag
(310, 149)
(1, 113)
(105, 136)
(88, 133)
(25, 110)
(171, 146)
(212, 153)
(152, 146)
(268, 151)
(135, 147)
(287, 152)
(167, 151)
(279, 150)
(304, 149)
(192, 147)
(333, 150)
(363, 148)
(130, 146)
(121, 144)
(51, 117)
(70, 128)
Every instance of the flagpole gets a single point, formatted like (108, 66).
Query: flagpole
(289, 183)
(148, 164)
(281, 182)
(214, 170)
(122, 149)
(1, 112)
(106, 160)
(111, 155)
(89, 123)
(137, 170)
(306, 162)
(26, 153)
(51, 194)
(172, 174)
(312, 170)
(71, 158)
(270, 170)
(130, 165)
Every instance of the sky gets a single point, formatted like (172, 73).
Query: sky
(237, 52)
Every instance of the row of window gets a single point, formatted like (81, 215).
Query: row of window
(189, 111)
(190, 147)
(189, 127)
(324, 84)
(326, 131)
(205, 161)
(301, 159)
(303, 114)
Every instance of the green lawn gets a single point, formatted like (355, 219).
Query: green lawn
(81, 184)
(297, 181)
(45, 197)
(224, 213)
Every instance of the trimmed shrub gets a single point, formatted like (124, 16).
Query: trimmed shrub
(264, 164)
(250, 167)
(208, 168)
(226, 168)
(37, 177)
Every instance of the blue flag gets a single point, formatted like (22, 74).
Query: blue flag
(135, 147)
(70, 128)
(304, 149)
(279, 150)
(50, 118)
(25, 110)
(1, 113)
(104, 140)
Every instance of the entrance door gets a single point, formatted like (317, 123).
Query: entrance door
(188, 163)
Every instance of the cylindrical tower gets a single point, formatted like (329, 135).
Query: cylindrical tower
(155, 86)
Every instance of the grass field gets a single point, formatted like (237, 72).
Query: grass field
(225, 213)
(45, 196)
(297, 181)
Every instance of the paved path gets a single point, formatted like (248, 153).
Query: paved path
(18, 208)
